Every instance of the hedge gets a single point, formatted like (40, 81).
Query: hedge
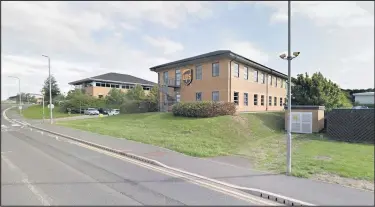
(134, 106)
(203, 109)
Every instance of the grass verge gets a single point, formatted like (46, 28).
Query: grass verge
(257, 136)
(36, 112)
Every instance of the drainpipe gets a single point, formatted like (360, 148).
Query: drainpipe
(230, 78)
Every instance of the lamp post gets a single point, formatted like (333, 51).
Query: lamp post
(289, 57)
(19, 91)
(50, 88)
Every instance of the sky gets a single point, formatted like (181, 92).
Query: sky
(85, 39)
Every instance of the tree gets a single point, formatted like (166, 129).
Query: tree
(153, 96)
(115, 97)
(136, 93)
(54, 88)
(317, 90)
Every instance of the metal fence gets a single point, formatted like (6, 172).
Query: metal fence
(351, 125)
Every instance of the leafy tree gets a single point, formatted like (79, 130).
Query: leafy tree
(153, 96)
(136, 93)
(54, 88)
(115, 97)
(318, 90)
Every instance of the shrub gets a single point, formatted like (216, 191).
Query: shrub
(137, 106)
(204, 109)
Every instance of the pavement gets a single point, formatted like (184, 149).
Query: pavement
(39, 169)
(311, 191)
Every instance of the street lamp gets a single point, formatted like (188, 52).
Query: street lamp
(289, 57)
(50, 88)
(19, 91)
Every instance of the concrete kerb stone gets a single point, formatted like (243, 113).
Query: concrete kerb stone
(257, 192)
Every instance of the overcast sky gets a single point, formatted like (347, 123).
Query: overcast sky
(85, 39)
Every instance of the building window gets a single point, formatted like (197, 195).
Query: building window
(270, 79)
(255, 99)
(165, 77)
(198, 96)
(235, 98)
(146, 88)
(270, 100)
(262, 78)
(117, 86)
(255, 76)
(262, 100)
(276, 81)
(178, 97)
(100, 96)
(123, 86)
(275, 101)
(97, 84)
(281, 101)
(178, 77)
(215, 69)
(215, 96)
(102, 84)
(236, 70)
(107, 85)
(198, 72)
(246, 99)
(246, 73)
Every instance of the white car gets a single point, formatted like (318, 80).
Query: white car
(91, 111)
(114, 112)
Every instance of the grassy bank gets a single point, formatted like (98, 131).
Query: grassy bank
(258, 136)
(36, 112)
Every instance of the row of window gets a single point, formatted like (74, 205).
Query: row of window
(124, 86)
(258, 76)
(256, 101)
(236, 72)
(236, 98)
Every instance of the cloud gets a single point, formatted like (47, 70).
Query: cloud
(85, 39)
(325, 13)
(246, 49)
(168, 46)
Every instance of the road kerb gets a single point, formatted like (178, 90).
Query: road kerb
(253, 191)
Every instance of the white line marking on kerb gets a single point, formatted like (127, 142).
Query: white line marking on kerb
(41, 197)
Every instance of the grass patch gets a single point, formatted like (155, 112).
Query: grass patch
(257, 136)
(36, 112)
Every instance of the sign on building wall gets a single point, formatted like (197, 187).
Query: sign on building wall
(187, 76)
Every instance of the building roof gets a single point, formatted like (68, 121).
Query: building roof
(115, 78)
(364, 94)
(215, 55)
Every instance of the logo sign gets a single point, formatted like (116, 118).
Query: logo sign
(187, 76)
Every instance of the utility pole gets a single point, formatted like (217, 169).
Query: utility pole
(50, 88)
(289, 140)
(19, 91)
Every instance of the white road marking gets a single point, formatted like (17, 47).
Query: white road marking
(3, 126)
(39, 194)
(15, 125)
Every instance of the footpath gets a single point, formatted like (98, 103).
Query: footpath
(311, 191)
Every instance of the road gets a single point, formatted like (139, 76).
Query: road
(39, 169)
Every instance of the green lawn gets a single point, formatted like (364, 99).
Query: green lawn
(36, 112)
(257, 136)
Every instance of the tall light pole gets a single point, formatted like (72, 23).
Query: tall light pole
(19, 91)
(289, 57)
(50, 88)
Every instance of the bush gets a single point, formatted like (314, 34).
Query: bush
(137, 106)
(203, 109)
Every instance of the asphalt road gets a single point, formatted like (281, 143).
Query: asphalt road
(37, 169)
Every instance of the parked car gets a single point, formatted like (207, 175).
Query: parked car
(103, 110)
(114, 112)
(360, 107)
(91, 111)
